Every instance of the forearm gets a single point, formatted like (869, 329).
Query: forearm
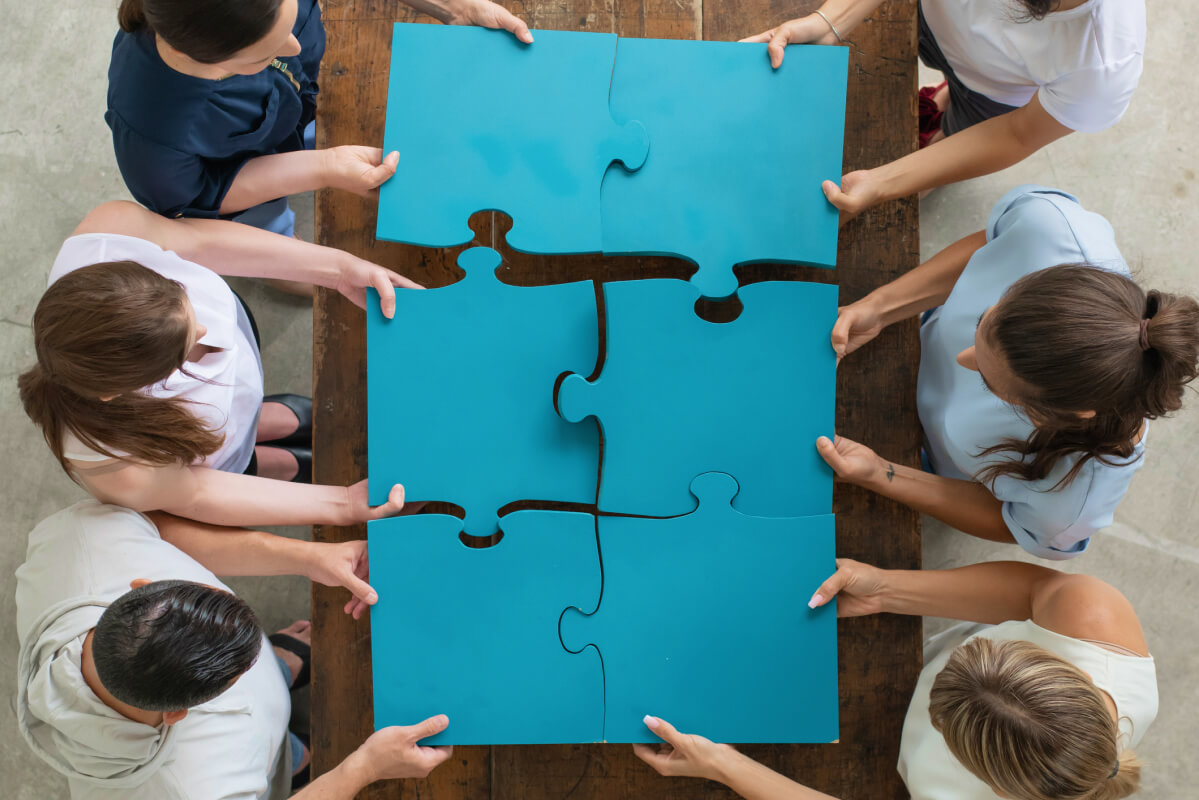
(966, 505)
(224, 498)
(928, 285)
(846, 15)
(230, 248)
(342, 782)
(754, 781)
(234, 551)
(981, 149)
(270, 177)
(991, 592)
(441, 10)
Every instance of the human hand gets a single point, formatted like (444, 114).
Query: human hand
(359, 509)
(858, 587)
(343, 564)
(853, 462)
(356, 274)
(394, 752)
(683, 754)
(857, 324)
(804, 30)
(858, 191)
(357, 169)
(486, 14)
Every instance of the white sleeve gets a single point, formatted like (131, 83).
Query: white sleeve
(1094, 98)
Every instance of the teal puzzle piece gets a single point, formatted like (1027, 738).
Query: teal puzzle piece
(739, 153)
(679, 396)
(704, 622)
(460, 400)
(473, 633)
(482, 122)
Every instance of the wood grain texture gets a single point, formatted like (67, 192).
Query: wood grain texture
(879, 657)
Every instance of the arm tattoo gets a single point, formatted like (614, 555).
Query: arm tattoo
(890, 472)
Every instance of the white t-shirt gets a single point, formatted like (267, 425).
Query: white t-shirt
(932, 772)
(225, 388)
(1083, 64)
(230, 748)
(1031, 228)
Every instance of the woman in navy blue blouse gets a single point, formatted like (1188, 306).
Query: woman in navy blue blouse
(211, 104)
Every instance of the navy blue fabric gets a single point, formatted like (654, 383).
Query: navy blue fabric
(180, 140)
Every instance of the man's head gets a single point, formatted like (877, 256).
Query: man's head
(170, 645)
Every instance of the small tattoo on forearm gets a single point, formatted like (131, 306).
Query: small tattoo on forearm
(890, 472)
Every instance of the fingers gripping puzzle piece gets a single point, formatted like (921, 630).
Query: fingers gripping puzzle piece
(498, 124)
(704, 622)
(473, 633)
(460, 396)
(739, 154)
(679, 396)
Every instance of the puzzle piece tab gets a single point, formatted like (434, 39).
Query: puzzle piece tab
(704, 622)
(473, 633)
(739, 153)
(461, 393)
(482, 121)
(679, 396)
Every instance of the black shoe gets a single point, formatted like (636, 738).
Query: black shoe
(302, 408)
(301, 651)
(303, 457)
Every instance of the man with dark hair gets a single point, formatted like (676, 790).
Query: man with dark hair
(168, 690)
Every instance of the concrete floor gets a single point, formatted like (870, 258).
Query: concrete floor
(56, 163)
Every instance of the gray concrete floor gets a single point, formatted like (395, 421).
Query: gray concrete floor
(56, 163)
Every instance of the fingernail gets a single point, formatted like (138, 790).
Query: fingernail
(650, 722)
(372, 598)
(816, 600)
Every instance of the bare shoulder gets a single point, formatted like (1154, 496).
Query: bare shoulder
(122, 217)
(1085, 607)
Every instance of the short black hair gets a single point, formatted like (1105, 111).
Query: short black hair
(171, 645)
(208, 31)
(1039, 9)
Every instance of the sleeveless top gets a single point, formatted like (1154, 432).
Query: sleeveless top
(932, 772)
(225, 386)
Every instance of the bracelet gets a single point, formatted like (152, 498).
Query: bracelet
(831, 27)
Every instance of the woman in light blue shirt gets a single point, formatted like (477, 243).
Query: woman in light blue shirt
(1040, 362)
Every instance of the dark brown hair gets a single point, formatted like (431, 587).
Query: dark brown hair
(1072, 337)
(1030, 724)
(1038, 9)
(208, 31)
(113, 329)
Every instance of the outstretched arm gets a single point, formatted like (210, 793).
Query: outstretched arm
(483, 13)
(842, 15)
(981, 149)
(230, 248)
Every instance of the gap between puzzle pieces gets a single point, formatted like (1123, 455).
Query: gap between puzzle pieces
(460, 393)
(733, 175)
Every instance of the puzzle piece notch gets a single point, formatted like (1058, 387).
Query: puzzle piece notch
(537, 151)
(740, 658)
(485, 433)
(747, 397)
(473, 633)
(725, 127)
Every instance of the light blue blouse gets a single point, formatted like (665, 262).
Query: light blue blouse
(1032, 228)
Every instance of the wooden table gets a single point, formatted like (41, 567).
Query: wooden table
(879, 656)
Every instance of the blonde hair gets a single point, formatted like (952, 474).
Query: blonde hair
(1030, 725)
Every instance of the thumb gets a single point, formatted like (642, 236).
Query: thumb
(840, 335)
(430, 727)
(360, 589)
(663, 729)
(778, 43)
(378, 175)
(830, 588)
(833, 193)
(828, 451)
(394, 504)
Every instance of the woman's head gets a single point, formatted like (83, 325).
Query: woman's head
(102, 334)
(1030, 725)
(1088, 355)
(243, 36)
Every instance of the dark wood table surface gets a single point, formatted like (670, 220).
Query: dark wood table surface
(879, 656)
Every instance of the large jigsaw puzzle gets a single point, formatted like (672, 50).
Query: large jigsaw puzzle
(679, 396)
(460, 396)
(477, 394)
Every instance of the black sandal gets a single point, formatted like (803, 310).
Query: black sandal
(297, 648)
(302, 408)
(301, 779)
